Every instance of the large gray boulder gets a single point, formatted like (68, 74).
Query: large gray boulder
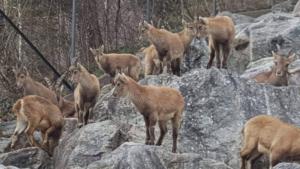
(89, 143)
(271, 29)
(196, 56)
(287, 166)
(138, 156)
(286, 6)
(217, 105)
(32, 157)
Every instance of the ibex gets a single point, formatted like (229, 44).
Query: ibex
(66, 106)
(220, 31)
(110, 63)
(32, 87)
(156, 104)
(86, 92)
(278, 76)
(187, 34)
(168, 45)
(153, 66)
(266, 135)
(37, 113)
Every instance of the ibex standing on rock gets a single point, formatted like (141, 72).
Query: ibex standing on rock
(66, 106)
(37, 113)
(156, 104)
(86, 92)
(111, 63)
(220, 31)
(168, 45)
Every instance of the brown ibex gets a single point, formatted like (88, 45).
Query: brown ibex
(156, 104)
(37, 113)
(66, 106)
(32, 87)
(153, 66)
(86, 92)
(187, 34)
(278, 76)
(168, 45)
(267, 135)
(110, 63)
(220, 31)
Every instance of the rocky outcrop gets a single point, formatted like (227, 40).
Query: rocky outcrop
(89, 144)
(31, 157)
(132, 155)
(287, 166)
(286, 6)
(217, 105)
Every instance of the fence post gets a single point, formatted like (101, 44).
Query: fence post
(215, 7)
(148, 11)
(73, 34)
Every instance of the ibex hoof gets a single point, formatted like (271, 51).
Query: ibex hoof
(79, 125)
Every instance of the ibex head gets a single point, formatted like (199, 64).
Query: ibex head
(21, 75)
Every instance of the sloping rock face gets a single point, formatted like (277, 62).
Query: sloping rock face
(255, 39)
(88, 144)
(287, 166)
(132, 155)
(217, 105)
(33, 158)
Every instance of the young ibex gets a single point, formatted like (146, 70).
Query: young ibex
(67, 106)
(220, 31)
(168, 45)
(156, 104)
(267, 135)
(187, 34)
(110, 63)
(32, 87)
(278, 76)
(153, 66)
(37, 113)
(86, 92)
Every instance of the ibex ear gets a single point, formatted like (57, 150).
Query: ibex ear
(201, 20)
(79, 66)
(26, 71)
(94, 52)
(292, 58)
(146, 25)
(101, 49)
(274, 55)
(184, 23)
(14, 70)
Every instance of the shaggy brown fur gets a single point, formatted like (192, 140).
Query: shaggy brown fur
(86, 92)
(278, 76)
(268, 135)
(156, 104)
(37, 113)
(167, 44)
(220, 31)
(110, 63)
(153, 66)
